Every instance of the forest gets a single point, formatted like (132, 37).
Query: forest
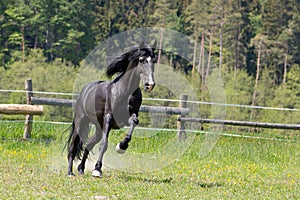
(255, 43)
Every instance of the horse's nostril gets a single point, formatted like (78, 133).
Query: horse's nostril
(149, 86)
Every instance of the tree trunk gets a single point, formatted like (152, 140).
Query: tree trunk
(23, 44)
(256, 79)
(285, 66)
(194, 54)
(221, 48)
(201, 66)
(35, 42)
(237, 54)
(209, 57)
(160, 44)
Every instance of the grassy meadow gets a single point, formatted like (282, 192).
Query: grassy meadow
(237, 168)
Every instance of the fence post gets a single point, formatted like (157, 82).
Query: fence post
(181, 134)
(28, 118)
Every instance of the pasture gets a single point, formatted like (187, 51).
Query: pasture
(237, 168)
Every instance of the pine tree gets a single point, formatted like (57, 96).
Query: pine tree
(163, 17)
(294, 27)
(276, 26)
(198, 28)
(4, 52)
(275, 15)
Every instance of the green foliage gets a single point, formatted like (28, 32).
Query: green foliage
(70, 29)
(61, 28)
(288, 96)
(239, 88)
(56, 76)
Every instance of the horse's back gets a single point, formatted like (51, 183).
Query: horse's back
(89, 87)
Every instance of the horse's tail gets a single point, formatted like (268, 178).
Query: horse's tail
(75, 145)
(69, 138)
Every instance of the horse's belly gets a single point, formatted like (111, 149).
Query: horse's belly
(120, 119)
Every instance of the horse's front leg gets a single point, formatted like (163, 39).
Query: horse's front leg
(103, 145)
(123, 145)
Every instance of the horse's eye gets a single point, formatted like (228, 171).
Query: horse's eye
(142, 59)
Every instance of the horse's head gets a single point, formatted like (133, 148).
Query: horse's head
(141, 60)
(146, 66)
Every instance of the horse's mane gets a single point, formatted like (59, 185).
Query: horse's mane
(120, 63)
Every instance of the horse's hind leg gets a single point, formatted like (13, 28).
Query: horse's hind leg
(123, 145)
(78, 136)
(103, 145)
(90, 145)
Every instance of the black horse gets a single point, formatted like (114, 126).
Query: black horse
(110, 105)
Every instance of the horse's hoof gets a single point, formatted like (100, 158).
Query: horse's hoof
(80, 170)
(71, 175)
(96, 173)
(119, 150)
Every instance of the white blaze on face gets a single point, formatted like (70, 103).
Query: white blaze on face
(151, 81)
(149, 59)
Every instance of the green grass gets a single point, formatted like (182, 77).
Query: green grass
(237, 168)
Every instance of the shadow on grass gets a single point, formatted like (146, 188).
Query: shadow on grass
(155, 180)
(136, 178)
(167, 180)
(209, 185)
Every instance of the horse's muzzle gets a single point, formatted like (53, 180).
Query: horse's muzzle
(149, 86)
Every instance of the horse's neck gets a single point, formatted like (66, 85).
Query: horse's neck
(126, 85)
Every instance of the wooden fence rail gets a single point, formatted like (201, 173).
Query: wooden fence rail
(242, 123)
(20, 109)
(52, 101)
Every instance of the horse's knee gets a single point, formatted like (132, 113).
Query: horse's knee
(134, 120)
(108, 117)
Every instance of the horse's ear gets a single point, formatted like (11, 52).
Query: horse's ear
(154, 45)
(142, 45)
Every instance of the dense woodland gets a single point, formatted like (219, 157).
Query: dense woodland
(255, 43)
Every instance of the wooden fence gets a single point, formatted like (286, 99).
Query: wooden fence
(182, 111)
(21, 109)
(34, 107)
(24, 109)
